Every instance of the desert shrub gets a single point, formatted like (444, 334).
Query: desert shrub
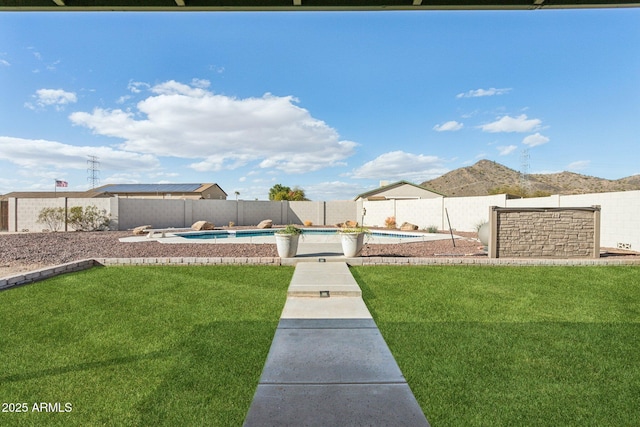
(390, 222)
(88, 219)
(432, 229)
(52, 217)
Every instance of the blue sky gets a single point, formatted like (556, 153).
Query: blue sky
(331, 102)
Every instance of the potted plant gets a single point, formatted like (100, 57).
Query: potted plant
(352, 240)
(287, 241)
(483, 234)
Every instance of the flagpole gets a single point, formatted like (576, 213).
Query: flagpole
(55, 187)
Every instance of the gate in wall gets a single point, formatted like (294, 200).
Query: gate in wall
(4, 215)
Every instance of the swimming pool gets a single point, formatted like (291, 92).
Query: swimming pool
(310, 236)
(238, 234)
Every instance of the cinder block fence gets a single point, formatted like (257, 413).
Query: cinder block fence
(620, 222)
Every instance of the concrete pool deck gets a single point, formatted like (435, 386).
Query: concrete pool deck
(328, 363)
(310, 246)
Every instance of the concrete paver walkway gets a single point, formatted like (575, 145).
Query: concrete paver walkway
(328, 364)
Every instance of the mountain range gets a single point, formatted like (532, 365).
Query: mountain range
(488, 177)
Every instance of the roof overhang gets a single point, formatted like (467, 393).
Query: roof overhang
(303, 5)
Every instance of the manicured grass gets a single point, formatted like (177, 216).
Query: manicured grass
(140, 346)
(543, 346)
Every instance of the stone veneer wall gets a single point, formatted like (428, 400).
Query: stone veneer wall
(545, 232)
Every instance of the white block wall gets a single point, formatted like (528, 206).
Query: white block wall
(29, 209)
(299, 212)
(217, 212)
(339, 211)
(424, 212)
(619, 216)
(378, 211)
(535, 202)
(158, 213)
(466, 213)
(620, 219)
(253, 212)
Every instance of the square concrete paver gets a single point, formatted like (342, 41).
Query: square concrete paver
(309, 279)
(335, 405)
(327, 324)
(307, 356)
(325, 308)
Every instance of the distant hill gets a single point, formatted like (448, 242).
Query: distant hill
(485, 177)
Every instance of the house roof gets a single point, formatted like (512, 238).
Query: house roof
(109, 189)
(391, 186)
(50, 194)
(155, 188)
(149, 188)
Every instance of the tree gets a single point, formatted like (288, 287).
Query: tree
(282, 192)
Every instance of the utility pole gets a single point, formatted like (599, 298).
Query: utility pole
(524, 171)
(92, 169)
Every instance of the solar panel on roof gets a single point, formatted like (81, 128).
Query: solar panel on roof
(151, 188)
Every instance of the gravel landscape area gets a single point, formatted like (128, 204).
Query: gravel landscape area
(28, 251)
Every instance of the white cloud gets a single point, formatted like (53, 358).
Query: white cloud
(173, 87)
(4, 63)
(483, 92)
(535, 139)
(334, 190)
(201, 83)
(57, 97)
(222, 132)
(35, 53)
(450, 126)
(512, 124)
(506, 150)
(124, 178)
(35, 154)
(160, 174)
(137, 87)
(579, 165)
(398, 165)
(53, 65)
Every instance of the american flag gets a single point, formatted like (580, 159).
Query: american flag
(61, 183)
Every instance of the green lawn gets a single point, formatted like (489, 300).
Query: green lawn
(529, 346)
(139, 345)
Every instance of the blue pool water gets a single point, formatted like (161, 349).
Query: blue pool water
(225, 234)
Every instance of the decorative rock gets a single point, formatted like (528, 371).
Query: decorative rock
(267, 223)
(141, 229)
(351, 224)
(407, 226)
(202, 225)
